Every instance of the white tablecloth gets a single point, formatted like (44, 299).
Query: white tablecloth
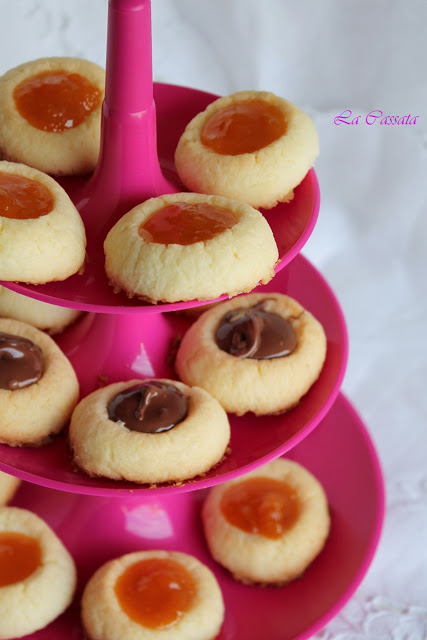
(371, 238)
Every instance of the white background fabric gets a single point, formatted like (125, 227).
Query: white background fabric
(371, 238)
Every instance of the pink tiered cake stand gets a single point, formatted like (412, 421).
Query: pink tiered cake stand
(120, 339)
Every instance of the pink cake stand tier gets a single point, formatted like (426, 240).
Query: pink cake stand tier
(108, 348)
(291, 223)
(339, 453)
(140, 128)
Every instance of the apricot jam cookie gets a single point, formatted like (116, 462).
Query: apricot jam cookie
(42, 315)
(148, 431)
(50, 114)
(251, 146)
(8, 487)
(152, 595)
(42, 237)
(259, 353)
(187, 246)
(38, 385)
(268, 526)
(37, 574)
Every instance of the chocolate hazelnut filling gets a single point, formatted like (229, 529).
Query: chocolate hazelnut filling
(255, 333)
(21, 362)
(150, 407)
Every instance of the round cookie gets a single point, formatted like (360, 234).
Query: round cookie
(148, 431)
(38, 385)
(251, 146)
(259, 353)
(189, 246)
(42, 237)
(8, 487)
(38, 588)
(167, 595)
(269, 525)
(50, 114)
(44, 316)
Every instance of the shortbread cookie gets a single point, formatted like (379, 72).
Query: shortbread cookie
(38, 385)
(152, 595)
(189, 246)
(37, 574)
(268, 526)
(148, 431)
(42, 237)
(259, 353)
(50, 114)
(42, 315)
(8, 487)
(251, 146)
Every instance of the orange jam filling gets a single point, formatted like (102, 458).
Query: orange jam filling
(56, 100)
(22, 198)
(244, 127)
(155, 592)
(20, 556)
(183, 223)
(262, 506)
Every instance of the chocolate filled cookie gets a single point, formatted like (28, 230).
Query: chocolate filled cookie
(37, 574)
(268, 526)
(152, 595)
(148, 431)
(259, 353)
(42, 235)
(50, 114)
(38, 385)
(189, 246)
(251, 146)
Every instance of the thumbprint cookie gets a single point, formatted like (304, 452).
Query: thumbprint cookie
(38, 385)
(153, 595)
(268, 526)
(50, 114)
(189, 246)
(148, 431)
(8, 487)
(252, 146)
(42, 237)
(258, 352)
(37, 574)
(44, 316)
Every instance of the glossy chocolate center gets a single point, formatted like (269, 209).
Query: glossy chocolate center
(243, 127)
(151, 407)
(55, 101)
(21, 362)
(156, 592)
(255, 333)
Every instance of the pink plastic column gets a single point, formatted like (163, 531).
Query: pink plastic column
(128, 170)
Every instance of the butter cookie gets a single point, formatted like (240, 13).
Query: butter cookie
(268, 526)
(153, 595)
(50, 114)
(42, 237)
(38, 385)
(148, 431)
(252, 146)
(42, 315)
(37, 574)
(189, 246)
(8, 487)
(258, 352)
